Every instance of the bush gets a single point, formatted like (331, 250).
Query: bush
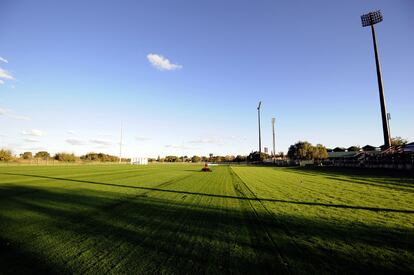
(65, 157)
(26, 155)
(42, 155)
(5, 155)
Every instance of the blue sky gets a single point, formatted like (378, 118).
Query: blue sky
(71, 71)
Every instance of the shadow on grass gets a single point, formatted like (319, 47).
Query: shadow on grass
(98, 232)
(396, 180)
(375, 209)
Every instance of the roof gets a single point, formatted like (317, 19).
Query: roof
(369, 148)
(339, 149)
(342, 154)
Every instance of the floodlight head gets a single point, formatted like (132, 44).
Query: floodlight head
(371, 18)
(258, 107)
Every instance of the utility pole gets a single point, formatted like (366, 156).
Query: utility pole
(260, 133)
(274, 143)
(370, 19)
(120, 147)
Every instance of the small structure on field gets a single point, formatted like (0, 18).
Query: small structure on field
(139, 161)
(206, 168)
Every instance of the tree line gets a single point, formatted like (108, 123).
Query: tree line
(6, 155)
(210, 158)
(301, 150)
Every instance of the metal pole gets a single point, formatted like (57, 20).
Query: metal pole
(120, 147)
(260, 134)
(273, 129)
(385, 127)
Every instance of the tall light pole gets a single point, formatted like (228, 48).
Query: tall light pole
(260, 133)
(120, 146)
(273, 130)
(370, 19)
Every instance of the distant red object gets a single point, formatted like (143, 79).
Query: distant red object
(206, 168)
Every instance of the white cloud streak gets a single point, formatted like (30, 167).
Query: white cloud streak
(162, 63)
(101, 142)
(9, 113)
(3, 60)
(19, 117)
(31, 140)
(74, 141)
(207, 141)
(5, 74)
(142, 138)
(34, 133)
(181, 147)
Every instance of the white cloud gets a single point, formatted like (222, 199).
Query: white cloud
(34, 148)
(30, 140)
(1, 82)
(5, 74)
(9, 113)
(19, 117)
(70, 132)
(4, 60)
(181, 147)
(207, 141)
(162, 63)
(34, 132)
(74, 141)
(142, 138)
(101, 142)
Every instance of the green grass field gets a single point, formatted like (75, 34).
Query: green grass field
(175, 219)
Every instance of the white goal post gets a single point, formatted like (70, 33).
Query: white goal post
(139, 161)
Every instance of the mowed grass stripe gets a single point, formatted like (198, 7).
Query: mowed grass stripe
(357, 234)
(175, 219)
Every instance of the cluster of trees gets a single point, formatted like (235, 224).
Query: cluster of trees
(397, 141)
(39, 155)
(210, 158)
(6, 155)
(303, 150)
(99, 157)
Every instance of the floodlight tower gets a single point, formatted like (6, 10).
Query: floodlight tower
(260, 134)
(120, 147)
(273, 130)
(370, 19)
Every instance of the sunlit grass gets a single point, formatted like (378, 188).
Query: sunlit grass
(175, 219)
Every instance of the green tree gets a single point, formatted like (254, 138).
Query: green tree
(101, 157)
(319, 152)
(355, 148)
(171, 158)
(397, 141)
(42, 155)
(240, 158)
(26, 155)
(5, 155)
(65, 157)
(229, 158)
(195, 159)
(254, 156)
(301, 150)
